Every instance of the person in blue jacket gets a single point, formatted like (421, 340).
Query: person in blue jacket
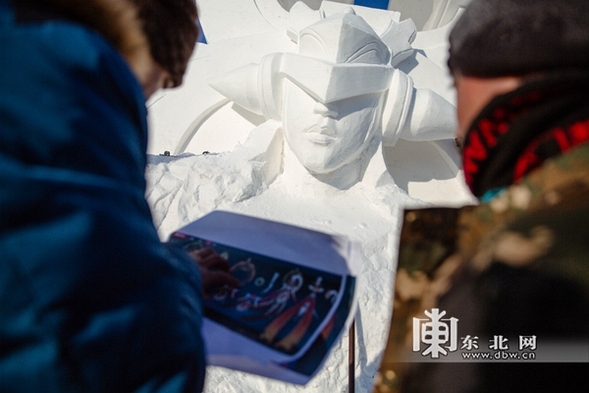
(90, 299)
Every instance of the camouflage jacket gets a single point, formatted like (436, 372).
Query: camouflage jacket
(509, 276)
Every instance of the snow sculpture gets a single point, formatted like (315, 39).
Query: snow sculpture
(340, 92)
(298, 134)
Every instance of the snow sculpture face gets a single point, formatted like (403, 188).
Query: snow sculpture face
(333, 91)
(325, 137)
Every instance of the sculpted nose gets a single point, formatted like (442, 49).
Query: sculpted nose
(323, 110)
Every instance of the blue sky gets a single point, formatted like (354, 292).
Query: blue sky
(373, 3)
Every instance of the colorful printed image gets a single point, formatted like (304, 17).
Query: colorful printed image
(312, 359)
(279, 304)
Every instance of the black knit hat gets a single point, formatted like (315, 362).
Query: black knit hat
(171, 29)
(518, 37)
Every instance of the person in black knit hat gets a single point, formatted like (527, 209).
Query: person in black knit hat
(512, 271)
(498, 45)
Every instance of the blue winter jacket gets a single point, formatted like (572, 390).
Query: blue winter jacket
(90, 299)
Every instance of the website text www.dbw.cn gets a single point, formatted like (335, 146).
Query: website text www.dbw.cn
(499, 355)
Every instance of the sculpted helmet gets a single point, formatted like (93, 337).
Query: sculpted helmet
(337, 57)
(340, 57)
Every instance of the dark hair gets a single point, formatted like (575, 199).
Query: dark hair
(172, 32)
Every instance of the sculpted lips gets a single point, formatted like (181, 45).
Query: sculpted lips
(320, 135)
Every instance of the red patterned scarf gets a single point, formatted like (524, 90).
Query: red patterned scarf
(517, 131)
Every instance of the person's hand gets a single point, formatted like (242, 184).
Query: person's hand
(214, 270)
